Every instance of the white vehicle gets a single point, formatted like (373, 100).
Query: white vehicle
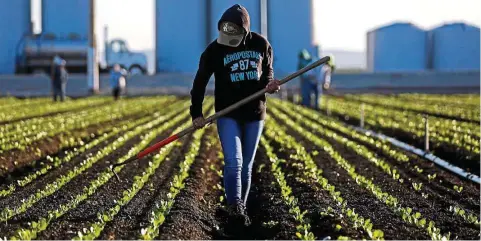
(117, 52)
(35, 54)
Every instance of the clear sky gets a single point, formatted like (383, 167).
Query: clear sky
(339, 24)
(342, 24)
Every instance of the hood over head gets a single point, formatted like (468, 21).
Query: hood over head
(234, 26)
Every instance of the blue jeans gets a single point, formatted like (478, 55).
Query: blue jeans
(239, 142)
(308, 88)
(59, 91)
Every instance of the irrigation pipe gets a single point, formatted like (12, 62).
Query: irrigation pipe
(422, 154)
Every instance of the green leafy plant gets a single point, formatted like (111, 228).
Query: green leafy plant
(307, 166)
(364, 182)
(159, 214)
(417, 186)
(431, 177)
(270, 224)
(463, 135)
(458, 189)
(56, 162)
(103, 178)
(86, 164)
(303, 227)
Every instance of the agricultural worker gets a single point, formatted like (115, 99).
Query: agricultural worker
(314, 81)
(307, 79)
(59, 78)
(117, 80)
(241, 62)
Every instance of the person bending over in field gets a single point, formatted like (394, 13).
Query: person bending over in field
(241, 62)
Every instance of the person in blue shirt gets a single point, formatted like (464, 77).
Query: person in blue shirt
(117, 80)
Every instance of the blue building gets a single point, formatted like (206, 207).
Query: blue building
(181, 38)
(66, 17)
(454, 47)
(397, 47)
(219, 6)
(290, 29)
(15, 23)
(181, 34)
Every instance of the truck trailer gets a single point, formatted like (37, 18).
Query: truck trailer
(35, 53)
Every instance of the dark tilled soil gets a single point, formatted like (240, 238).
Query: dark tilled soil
(19, 162)
(192, 216)
(136, 214)
(265, 205)
(83, 215)
(364, 203)
(37, 164)
(435, 208)
(457, 156)
(67, 192)
(441, 187)
(42, 181)
(315, 200)
(196, 213)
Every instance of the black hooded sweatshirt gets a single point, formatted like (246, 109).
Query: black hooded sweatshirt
(239, 71)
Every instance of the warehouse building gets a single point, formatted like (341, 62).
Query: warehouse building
(182, 33)
(454, 47)
(191, 31)
(396, 47)
(55, 15)
(14, 25)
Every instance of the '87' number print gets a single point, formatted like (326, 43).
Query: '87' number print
(243, 65)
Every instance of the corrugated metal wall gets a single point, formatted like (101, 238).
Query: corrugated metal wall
(397, 47)
(219, 6)
(455, 47)
(180, 34)
(370, 51)
(62, 17)
(290, 29)
(15, 22)
(190, 32)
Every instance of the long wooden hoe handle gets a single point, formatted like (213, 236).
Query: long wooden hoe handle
(214, 117)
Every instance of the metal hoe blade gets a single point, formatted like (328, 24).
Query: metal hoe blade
(134, 158)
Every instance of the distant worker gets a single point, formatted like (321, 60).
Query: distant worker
(117, 80)
(308, 79)
(326, 72)
(314, 81)
(59, 76)
(241, 62)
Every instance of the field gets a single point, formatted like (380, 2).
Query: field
(314, 176)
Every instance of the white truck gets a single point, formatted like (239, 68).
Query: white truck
(35, 53)
(117, 52)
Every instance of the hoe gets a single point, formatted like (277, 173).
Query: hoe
(214, 117)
